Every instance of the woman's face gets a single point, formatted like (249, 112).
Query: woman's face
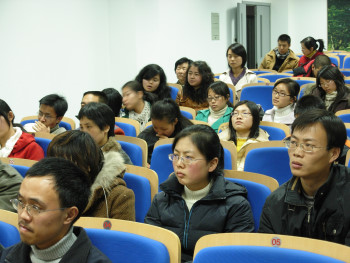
(306, 51)
(151, 84)
(163, 128)
(89, 126)
(281, 97)
(234, 60)
(195, 175)
(216, 102)
(131, 98)
(242, 119)
(194, 77)
(328, 85)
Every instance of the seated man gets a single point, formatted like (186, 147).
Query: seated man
(281, 58)
(51, 198)
(314, 202)
(51, 111)
(181, 67)
(93, 96)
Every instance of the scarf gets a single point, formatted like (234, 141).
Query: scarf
(311, 54)
(215, 115)
(279, 55)
(11, 142)
(330, 98)
(234, 79)
(143, 117)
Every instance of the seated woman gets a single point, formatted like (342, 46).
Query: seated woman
(196, 199)
(220, 107)
(284, 97)
(153, 80)
(137, 103)
(330, 87)
(167, 122)
(98, 120)
(109, 195)
(237, 74)
(243, 129)
(15, 142)
(309, 49)
(114, 101)
(195, 90)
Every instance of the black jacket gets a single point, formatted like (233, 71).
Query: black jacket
(82, 251)
(224, 209)
(285, 211)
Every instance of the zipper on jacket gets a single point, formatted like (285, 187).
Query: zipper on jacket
(308, 219)
(187, 225)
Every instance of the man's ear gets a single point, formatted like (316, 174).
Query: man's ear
(58, 120)
(72, 213)
(11, 116)
(334, 154)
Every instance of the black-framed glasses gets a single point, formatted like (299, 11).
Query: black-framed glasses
(306, 147)
(184, 159)
(280, 94)
(32, 210)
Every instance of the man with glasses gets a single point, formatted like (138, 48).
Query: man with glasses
(315, 201)
(51, 111)
(51, 198)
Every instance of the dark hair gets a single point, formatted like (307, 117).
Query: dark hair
(58, 103)
(150, 71)
(181, 61)
(102, 97)
(239, 50)
(207, 142)
(4, 111)
(136, 86)
(310, 42)
(292, 86)
(322, 60)
(221, 88)
(101, 114)
(334, 126)
(254, 130)
(332, 73)
(71, 184)
(80, 148)
(199, 95)
(115, 100)
(168, 109)
(283, 38)
(307, 103)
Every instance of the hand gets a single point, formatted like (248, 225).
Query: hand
(162, 136)
(40, 127)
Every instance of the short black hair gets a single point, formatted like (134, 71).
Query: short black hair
(181, 61)
(71, 183)
(292, 86)
(307, 103)
(58, 103)
(284, 37)
(101, 114)
(102, 97)
(115, 100)
(321, 61)
(333, 125)
(239, 50)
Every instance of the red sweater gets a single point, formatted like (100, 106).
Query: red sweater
(27, 148)
(303, 60)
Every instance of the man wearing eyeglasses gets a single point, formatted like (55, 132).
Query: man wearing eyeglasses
(51, 111)
(51, 198)
(315, 201)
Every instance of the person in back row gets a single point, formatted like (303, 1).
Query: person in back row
(181, 67)
(93, 96)
(282, 57)
(51, 111)
(310, 50)
(312, 68)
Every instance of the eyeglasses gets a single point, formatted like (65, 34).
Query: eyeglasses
(215, 98)
(244, 115)
(46, 116)
(306, 147)
(326, 83)
(280, 94)
(32, 210)
(184, 159)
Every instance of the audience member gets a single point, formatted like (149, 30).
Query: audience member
(237, 74)
(307, 103)
(311, 68)
(314, 202)
(196, 199)
(114, 100)
(98, 120)
(51, 198)
(309, 49)
(194, 92)
(282, 57)
(51, 111)
(181, 67)
(93, 96)
(243, 129)
(137, 103)
(14, 142)
(109, 197)
(220, 107)
(284, 97)
(167, 122)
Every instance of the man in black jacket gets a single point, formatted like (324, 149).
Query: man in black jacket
(315, 201)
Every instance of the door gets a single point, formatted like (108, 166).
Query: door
(262, 37)
(241, 24)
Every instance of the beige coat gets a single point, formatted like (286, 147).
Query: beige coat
(291, 62)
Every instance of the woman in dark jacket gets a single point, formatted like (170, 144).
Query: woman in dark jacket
(196, 199)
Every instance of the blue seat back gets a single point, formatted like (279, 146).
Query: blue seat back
(142, 190)
(63, 124)
(259, 94)
(257, 194)
(44, 143)
(275, 77)
(21, 169)
(133, 151)
(334, 61)
(345, 118)
(9, 234)
(186, 114)
(127, 247)
(227, 160)
(270, 161)
(173, 92)
(128, 129)
(346, 63)
(258, 72)
(276, 134)
(346, 73)
(257, 254)
(347, 81)
(341, 59)
(304, 81)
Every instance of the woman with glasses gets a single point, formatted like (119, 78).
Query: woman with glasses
(196, 199)
(220, 107)
(284, 98)
(330, 87)
(243, 129)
